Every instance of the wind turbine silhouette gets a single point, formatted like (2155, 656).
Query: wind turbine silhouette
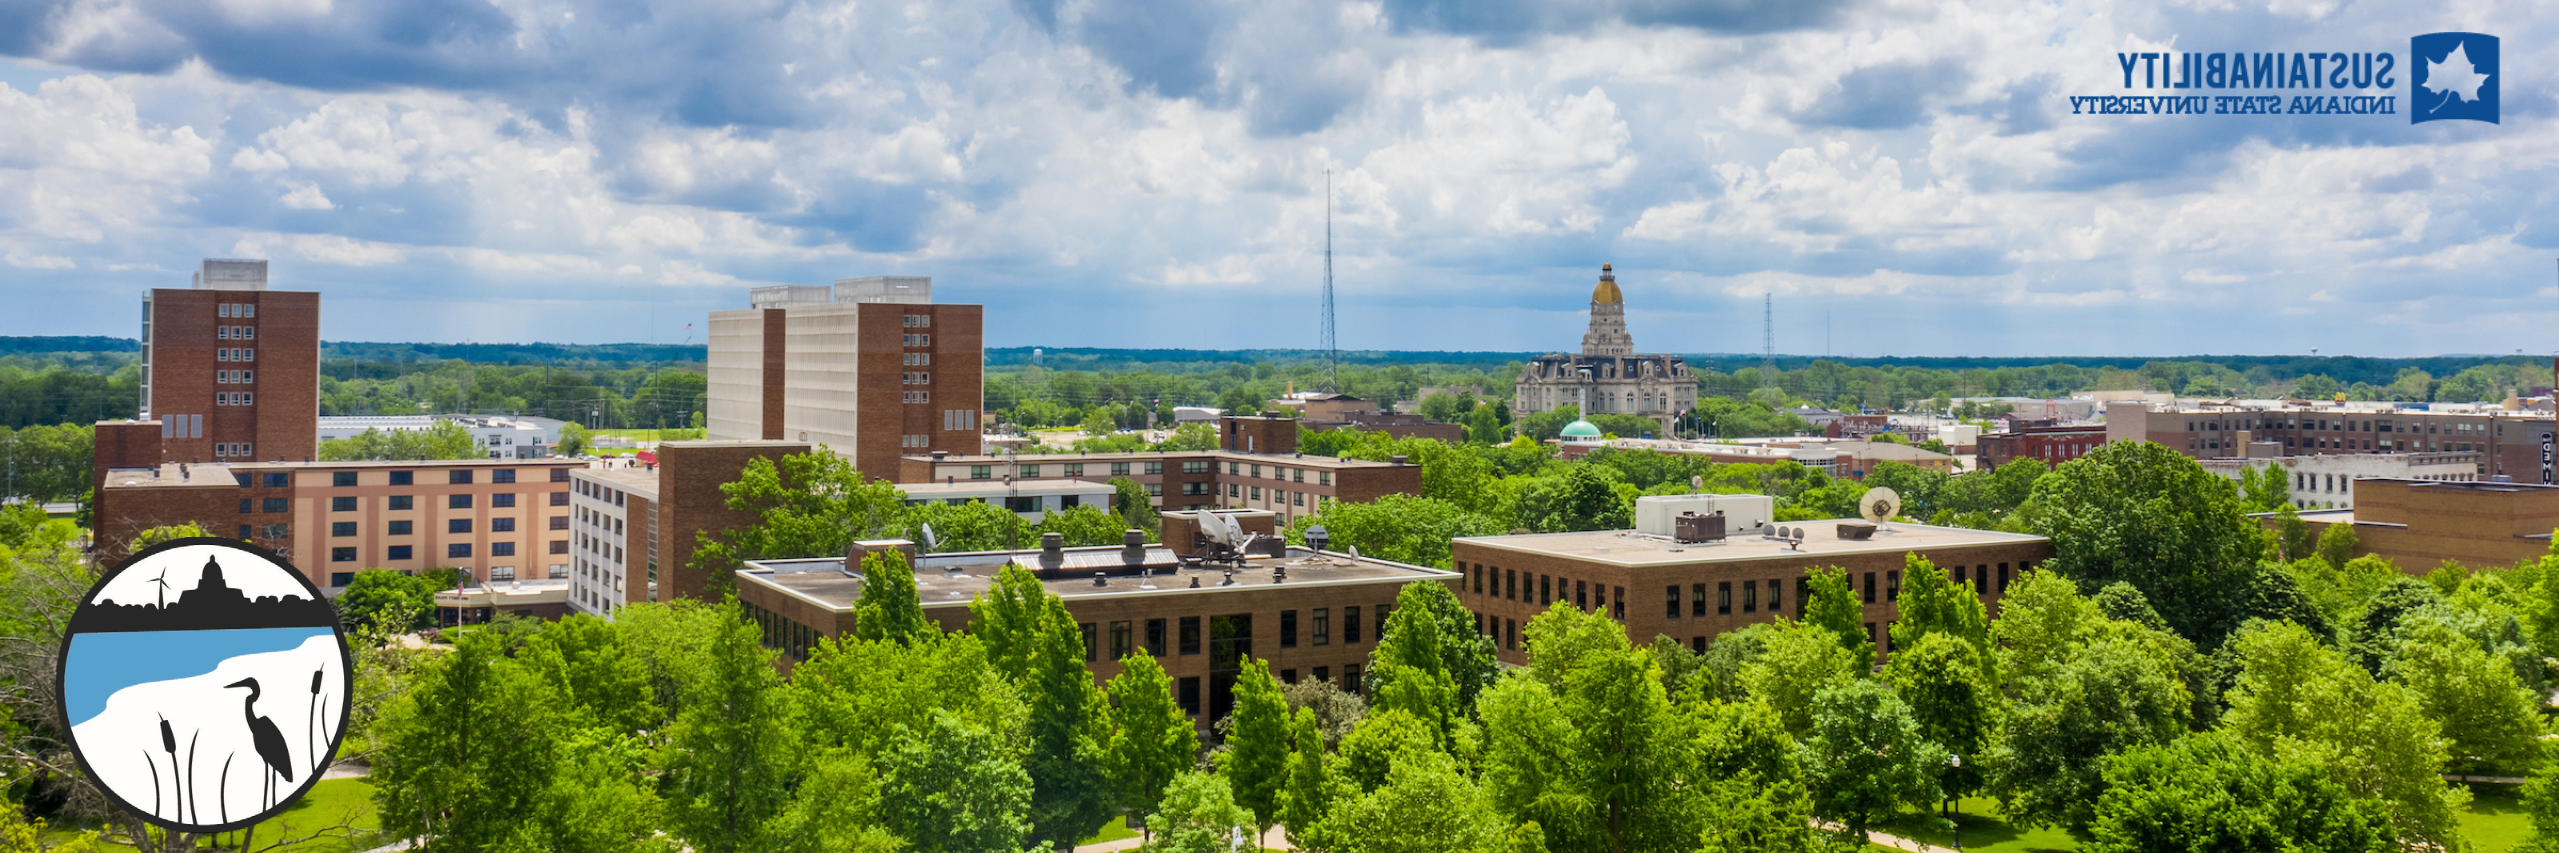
(266, 738)
(163, 581)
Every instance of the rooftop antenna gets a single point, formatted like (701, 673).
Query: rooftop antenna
(1332, 352)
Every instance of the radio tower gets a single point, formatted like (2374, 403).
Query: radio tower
(1332, 353)
(1768, 343)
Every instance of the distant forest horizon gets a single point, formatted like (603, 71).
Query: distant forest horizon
(1099, 358)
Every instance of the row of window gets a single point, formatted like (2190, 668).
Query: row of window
(1294, 475)
(235, 398)
(235, 377)
(238, 310)
(918, 359)
(2325, 425)
(226, 449)
(915, 397)
(1277, 496)
(1318, 623)
(919, 321)
(914, 441)
(603, 494)
(1512, 585)
(457, 477)
(235, 354)
(919, 340)
(916, 377)
(959, 419)
(236, 333)
(455, 551)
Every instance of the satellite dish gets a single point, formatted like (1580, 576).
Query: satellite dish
(1354, 553)
(1696, 483)
(930, 541)
(1879, 505)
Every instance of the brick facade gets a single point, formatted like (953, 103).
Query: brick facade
(690, 474)
(2419, 524)
(2049, 445)
(249, 384)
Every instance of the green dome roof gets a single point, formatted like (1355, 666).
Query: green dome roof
(1581, 429)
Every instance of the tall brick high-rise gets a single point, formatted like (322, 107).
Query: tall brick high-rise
(230, 372)
(871, 368)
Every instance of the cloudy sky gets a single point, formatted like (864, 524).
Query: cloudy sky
(1902, 177)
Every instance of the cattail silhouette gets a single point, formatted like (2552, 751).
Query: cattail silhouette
(311, 723)
(168, 744)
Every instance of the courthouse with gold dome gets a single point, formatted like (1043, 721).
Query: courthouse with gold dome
(1608, 376)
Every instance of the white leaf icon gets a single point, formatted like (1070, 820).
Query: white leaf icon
(2455, 76)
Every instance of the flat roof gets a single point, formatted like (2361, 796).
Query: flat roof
(953, 580)
(977, 488)
(1143, 455)
(1821, 538)
(642, 480)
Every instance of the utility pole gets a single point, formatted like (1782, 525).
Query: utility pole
(1768, 343)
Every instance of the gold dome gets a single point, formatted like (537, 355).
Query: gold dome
(1606, 292)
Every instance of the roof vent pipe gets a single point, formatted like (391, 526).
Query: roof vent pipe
(1052, 552)
(1133, 547)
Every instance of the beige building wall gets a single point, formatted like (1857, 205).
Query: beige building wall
(821, 378)
(736, 376)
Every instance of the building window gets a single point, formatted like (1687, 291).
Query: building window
(342, 504)
(1510, 634)
(1870, 588)
(458, 551)
(1323, 626)
(1724, 598)
(502, 501)
(1350, 626)
(1075, 469)
(458, 478)
(341, 528)
(274, 506)
(401, 528)
(1545, 590)
(501, 549)
(1670, 608)
(1323, 478)
(341, 555)
(1192, 466)
(1892, 586)
(1119, 469)
(457, 502)
(1119, 640)
(402, 502)
(342, 479)
(559, 522)
(1089, 640)
(1697, 600)
(1190, 635)
(502, 475)
(1288, 629)
(1774, 604)
(1581, 594)
(1510, 584)
(1155, 637)
(981, 472)
(404, 478)
(1750, 597)
(502, 525)
(277, 481)
(559, 499)
(1190, 695)
(1350, 679)
(398, 552)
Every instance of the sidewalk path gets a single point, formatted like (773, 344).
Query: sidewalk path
(1276, 839)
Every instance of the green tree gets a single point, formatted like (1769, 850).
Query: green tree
(2541, 810)
(1933, 603)
(574, 440)
(1867, 756)
(444, 440)
(1135, 509)
(805, 505)
(1309, 793)
(1585, 497)
(2085, 687)
(1255, 761)
(1795, 662)
(1953, 702)
(2207, 792)
(1917, 486)
(1832, 606)
(607, 687)
(1082, 526)
(2292, 535)
(2491, 722)
(1200, 815)
(1432, 632)
(734, 753)
(457, 770)
(1189, 438)
(2337, 544)
(1586, 744)
(2144, 514)
(1402, 528)
(1036, 644)
(889, 609)
(2294, 695)
(955, 787)
(380, 591)
(1425, 805)
(1152, 740)
(835, 809)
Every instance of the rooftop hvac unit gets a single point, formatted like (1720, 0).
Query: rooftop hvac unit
(1656, 515)
(1691, 527)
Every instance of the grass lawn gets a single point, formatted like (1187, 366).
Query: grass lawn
(1116, 830)
(1982, 830)
(2495, 822)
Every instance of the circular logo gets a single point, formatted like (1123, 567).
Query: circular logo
(205, 684)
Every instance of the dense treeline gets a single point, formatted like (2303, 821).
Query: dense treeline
(634, 398)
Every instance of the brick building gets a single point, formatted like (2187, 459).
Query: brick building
(1287, 484)
(500, 520)
(1692, 592)
(2051, 445)
(1308, 614)
(230, 373)
(634, 528)
(2419, 524)
(871, 368)
(2327, 481)
(2514, 443)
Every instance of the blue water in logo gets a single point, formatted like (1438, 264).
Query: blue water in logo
(102, 663)
(2453, 76)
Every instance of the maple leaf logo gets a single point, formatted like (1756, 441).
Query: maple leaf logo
(2453, 77)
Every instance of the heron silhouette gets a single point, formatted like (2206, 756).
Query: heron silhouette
(266, 738)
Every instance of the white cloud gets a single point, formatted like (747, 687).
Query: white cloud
(307, 197)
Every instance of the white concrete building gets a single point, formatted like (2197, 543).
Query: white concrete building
(612, 512)
(501, 436)
(2327, 481)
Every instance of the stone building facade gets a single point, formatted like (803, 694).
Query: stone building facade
(1608, 376)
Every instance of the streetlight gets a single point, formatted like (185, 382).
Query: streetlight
(1958, 762)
